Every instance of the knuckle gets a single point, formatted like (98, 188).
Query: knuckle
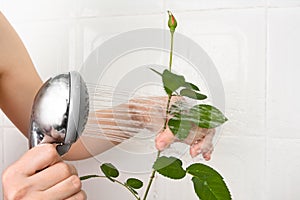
(81, 196)
(50, 151)
(17, 192)
(13, 187)
(64, 168)
(76, 182)
(6, 176)
(73, 169)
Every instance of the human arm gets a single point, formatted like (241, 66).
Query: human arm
(19, 80)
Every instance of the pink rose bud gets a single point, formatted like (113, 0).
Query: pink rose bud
(172, 23)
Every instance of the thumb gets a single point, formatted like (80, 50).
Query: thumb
(164, 139)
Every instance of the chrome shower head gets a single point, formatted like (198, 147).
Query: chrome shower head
(60, 111)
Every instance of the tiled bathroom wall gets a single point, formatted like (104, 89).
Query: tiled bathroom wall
(254, 45)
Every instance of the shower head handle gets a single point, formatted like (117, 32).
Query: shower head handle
(59, 112)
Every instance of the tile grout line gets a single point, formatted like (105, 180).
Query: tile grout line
(2, 140)
(236, 8)
(153, 13)
(266, 97)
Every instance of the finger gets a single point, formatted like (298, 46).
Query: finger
(65, 189)
(196, 134)
(79, 196)
(164, 139)
(207, 155)
(208, 144)
(53, 174)
(195, 149)
(37, 159)
(204, 146)
(200, 148)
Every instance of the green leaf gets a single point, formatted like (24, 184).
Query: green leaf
(155, 71)
(208, 183)
(170, 167)
(191, 86)
(172, 81)
(192, 94)
(180, 125)
(82, 178)
(207, 116)
(134, 183)
(109, 170)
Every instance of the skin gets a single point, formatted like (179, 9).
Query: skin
(19, 82)
(23, 179)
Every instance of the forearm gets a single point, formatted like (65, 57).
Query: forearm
(105, 129)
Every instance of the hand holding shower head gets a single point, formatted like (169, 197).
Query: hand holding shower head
(60, 111)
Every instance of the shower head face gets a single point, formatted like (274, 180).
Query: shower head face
(59, 112)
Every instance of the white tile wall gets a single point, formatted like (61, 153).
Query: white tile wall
(195, 5)
(93, 8)
(283, 169)
(97, 30)
(283, 3)
(14, 145)
(254, 45)
(283, 110)
(282, 103)
(6, 121)
(244, 167)
(237, 47)
(30, 10)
